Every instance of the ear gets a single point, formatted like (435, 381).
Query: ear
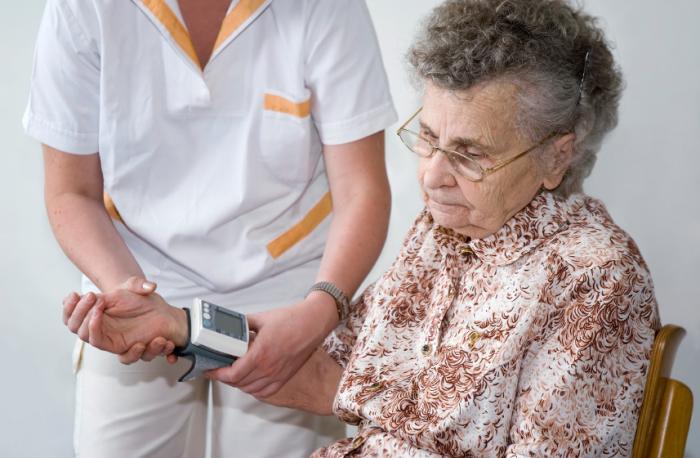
(562, 155)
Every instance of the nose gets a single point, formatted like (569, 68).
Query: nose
(436, 171)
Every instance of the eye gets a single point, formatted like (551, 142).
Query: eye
(427, 136)
(470, 153)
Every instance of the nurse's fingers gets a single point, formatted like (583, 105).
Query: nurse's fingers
(84, 329)
(242, 371)
(233, 375)
(155, 348)
(80, 311)
(169, 349)
(243, 368)
(97, 338)
(270, 390)
(254, 324)
(261, 388)
(69, 303)
(139, 285)
(225, 375)
(133, 354)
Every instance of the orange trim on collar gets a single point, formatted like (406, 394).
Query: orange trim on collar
(167, 17)
(235, 18)
(313, 218)
(284, 105)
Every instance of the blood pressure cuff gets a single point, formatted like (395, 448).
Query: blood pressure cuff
(201, 357)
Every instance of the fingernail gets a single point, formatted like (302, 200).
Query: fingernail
(147, 286)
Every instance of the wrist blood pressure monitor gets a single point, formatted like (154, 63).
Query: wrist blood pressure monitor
(216, 338)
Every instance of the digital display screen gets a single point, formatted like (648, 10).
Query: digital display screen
(230, 324)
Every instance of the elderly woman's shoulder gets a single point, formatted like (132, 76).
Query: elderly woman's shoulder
(591, 237)
(597, 267)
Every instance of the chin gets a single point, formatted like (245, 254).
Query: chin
(449, 220)
(473, 232)
(459, 224)
(448, 210)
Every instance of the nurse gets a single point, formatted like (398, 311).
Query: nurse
(229, 150)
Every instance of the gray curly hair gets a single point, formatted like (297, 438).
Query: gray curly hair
(540, 46)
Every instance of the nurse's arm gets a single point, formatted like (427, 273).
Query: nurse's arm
(73, 193)
(74, 203)
(361, 206)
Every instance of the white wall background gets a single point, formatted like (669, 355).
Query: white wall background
(648, 174)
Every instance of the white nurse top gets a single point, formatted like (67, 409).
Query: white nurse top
(217, 173)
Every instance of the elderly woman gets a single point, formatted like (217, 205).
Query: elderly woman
(518, 318)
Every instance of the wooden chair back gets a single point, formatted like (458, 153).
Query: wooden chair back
(664, 418)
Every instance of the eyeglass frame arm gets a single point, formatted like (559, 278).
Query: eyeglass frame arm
(484, 172)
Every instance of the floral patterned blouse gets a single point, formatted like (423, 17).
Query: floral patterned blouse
(533, 341)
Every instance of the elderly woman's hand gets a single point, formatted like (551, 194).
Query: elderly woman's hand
(77, 309)
(132, 321)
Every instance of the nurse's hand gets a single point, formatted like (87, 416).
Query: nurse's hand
(285, 339)
(311, 389)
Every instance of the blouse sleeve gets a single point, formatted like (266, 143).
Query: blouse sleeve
(580, 393)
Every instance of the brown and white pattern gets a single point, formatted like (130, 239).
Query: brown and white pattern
(531, 342)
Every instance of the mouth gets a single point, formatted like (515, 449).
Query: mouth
(445, 203)
(443, 207)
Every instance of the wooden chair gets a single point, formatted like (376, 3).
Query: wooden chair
(664, 419)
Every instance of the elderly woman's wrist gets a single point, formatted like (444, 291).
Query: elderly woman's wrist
(329, 372)
(179, 327)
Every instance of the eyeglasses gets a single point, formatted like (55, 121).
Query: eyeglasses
(461, 163)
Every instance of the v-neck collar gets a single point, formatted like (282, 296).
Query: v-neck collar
(166, 16)
(239, 16)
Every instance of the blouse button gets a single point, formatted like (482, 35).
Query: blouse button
(426, 349)
(357, 442)
(465, 251)
(474, 338)
(452, 291)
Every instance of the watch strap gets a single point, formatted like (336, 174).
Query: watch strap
(202, 358)
(342, 303)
